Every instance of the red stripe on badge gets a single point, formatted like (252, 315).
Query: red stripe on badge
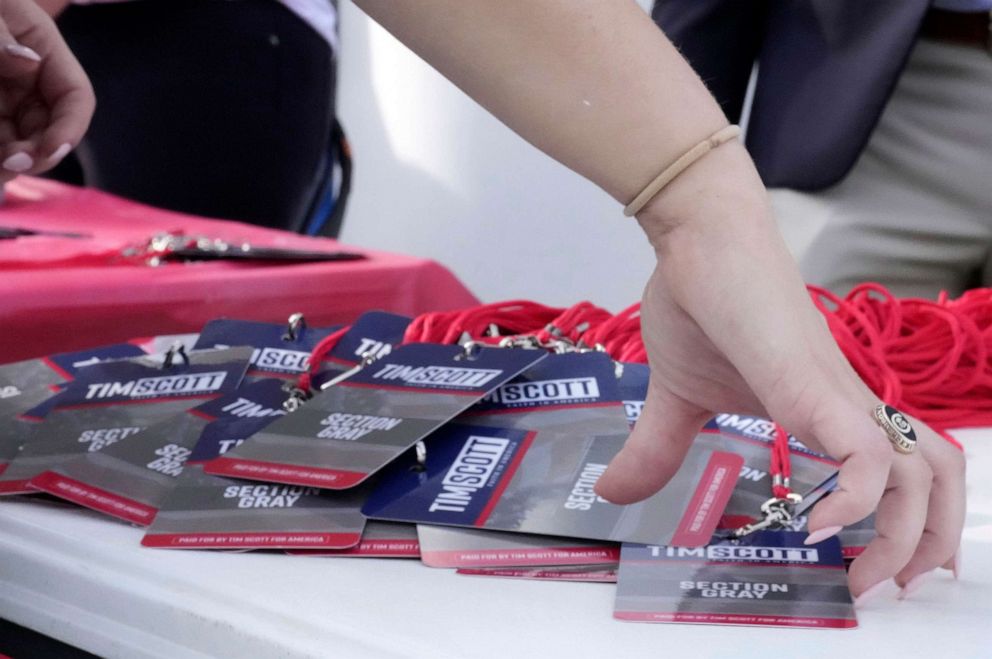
(263, 540)
(203, 415)
(16, 487)
(736, 619)
(374, 548)
(412, 390)
(735, 521)
(136, 401)
(708, 501)
(261, 372)
(505, 479)
(535, 556)
(94, 498)
(64, 374)
(332, 479)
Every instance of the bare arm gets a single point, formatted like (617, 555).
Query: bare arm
(593, 83)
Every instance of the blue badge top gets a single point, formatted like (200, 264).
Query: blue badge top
(633, 386)
(755, 428)
(237, 416)
(558, 380)
(463, 465)
(375, 333)
(134, 380)
(69, 363)
(428, 366)
(276, 352)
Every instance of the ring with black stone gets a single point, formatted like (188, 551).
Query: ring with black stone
(897, 427)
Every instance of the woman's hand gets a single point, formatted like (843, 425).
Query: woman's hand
(46, 101)
(729, 327)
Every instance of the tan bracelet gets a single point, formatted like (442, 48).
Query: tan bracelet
(680, 165)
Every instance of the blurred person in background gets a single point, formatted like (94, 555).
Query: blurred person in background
(880, 111)
(211, 107)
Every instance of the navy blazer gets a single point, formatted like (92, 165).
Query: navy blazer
(825, 71)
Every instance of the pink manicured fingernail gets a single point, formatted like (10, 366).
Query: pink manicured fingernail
(17, 50)
(60, 153)
(822, 534)
(869, 594)
(913, 585)
(19, 162)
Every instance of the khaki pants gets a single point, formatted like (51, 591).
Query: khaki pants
(915, 212)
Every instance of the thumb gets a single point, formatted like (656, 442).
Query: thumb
(655, 449)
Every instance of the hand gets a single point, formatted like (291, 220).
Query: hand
(729, 327)
(46, 101)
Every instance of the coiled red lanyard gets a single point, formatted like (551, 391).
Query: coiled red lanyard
(931, 359)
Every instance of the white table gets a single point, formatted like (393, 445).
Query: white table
(83, 579)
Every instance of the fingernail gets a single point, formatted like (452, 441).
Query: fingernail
(954, 565)
(822, 534)
(60, 153)
(19, 162)
(913, 585)
(869, 594)
(17, 50)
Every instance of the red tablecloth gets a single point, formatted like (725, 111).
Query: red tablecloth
(59, 293)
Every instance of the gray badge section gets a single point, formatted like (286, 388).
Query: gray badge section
(142, 467)
(676, 587)
(66, 435)
(535, 500)
(295, 439)
(855, 537)
(13, 431)
(70, 433)
(202, 504)
(445, 546)
(599, 420)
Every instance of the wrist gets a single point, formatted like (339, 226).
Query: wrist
(720, 192)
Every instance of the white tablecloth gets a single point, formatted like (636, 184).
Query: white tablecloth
(83, 579)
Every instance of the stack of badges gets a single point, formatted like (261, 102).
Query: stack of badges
(27, 384)
(109, 402)
(208, 511)
(478, 459)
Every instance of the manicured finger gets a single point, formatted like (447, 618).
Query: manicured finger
(16, 59)
(899, 523)
(17, 157)
(946, 508)
(849, 435)
(655, 449)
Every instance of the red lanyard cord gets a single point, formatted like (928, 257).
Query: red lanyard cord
(931, 359)
(317, 356)
(781, 464)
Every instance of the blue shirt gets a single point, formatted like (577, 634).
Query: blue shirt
(963, 5)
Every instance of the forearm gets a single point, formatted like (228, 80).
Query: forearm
(592, 83)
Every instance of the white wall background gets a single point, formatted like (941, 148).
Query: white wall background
(437, 176)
